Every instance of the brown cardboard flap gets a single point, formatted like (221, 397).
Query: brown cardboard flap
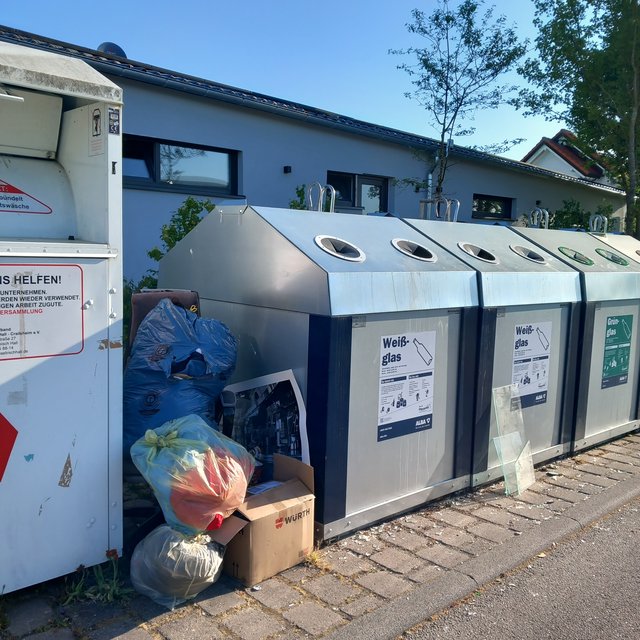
(278, 535)
(230, 526)
(286, 495)
(285, 468)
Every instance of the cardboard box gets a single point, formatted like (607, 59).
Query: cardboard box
(278, 531)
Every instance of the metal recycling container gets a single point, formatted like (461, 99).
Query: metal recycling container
(607, 395)
(628, 246)
(60, 317)
(374, 320)
(528, 333)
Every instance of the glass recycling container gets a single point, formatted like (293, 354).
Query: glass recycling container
(528, 331)
(627, 245)
(607, 393)
(60, 317)
(377, 324)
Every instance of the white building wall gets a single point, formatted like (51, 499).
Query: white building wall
(465, 178)
(268, 142)
(547, 159)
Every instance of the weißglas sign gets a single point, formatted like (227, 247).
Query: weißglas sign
(405, 400)
(531, 357)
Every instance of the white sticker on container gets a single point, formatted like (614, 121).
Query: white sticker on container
(531, 358)
(97, 135)
(14, 200)
(405, 399)
(41, 311)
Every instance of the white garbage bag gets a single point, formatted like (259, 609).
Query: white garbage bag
(171, 568)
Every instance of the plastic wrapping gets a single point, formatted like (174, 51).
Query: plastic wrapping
(198, 475)
(171, 568)
(179, 364)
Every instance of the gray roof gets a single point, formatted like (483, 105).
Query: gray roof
(117, 66)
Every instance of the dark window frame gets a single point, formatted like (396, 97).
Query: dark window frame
(147, 150)
(484, 214)
(356, 180)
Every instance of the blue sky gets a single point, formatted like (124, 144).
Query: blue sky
(331, 55)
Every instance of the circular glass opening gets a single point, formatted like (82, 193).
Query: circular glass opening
(576, 255)
(529, 254)
(612, 257)
(413, 250)
(340, 248)
(478, 252)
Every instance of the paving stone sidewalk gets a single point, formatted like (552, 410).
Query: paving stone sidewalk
(374, 584)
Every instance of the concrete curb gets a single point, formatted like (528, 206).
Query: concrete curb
(396, 616)
(390, 620)
(606, 502)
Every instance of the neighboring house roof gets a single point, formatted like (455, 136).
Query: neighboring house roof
(117, 66)
(563, 144)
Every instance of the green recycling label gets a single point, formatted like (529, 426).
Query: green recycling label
(617, 351)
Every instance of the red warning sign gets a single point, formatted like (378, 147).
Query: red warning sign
(8, 435)
(13, 200)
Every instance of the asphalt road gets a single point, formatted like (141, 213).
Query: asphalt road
(585, 588)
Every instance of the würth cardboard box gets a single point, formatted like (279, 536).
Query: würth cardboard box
(279, 530)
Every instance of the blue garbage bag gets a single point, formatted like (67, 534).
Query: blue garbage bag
(178, 366)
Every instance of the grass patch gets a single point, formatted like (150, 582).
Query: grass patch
(315, 559)
(101, 583)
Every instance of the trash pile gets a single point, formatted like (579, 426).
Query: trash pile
(178, 367)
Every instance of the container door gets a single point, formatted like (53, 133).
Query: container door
(613, 369)
(530, 353)
(402, 406)
(54, 408)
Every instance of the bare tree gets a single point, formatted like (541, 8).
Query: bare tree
(456, 73)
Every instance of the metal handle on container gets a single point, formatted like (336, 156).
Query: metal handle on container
(438, 205)
(332, 201)
(456, 208)
(539, 218)
(9, 97)
(322, 197)
(598, 223)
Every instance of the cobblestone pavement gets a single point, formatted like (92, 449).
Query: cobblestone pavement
(375, 583)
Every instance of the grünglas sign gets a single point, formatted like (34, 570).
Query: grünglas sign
(617, 350)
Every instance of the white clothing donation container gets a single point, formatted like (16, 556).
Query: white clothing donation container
(60, 317)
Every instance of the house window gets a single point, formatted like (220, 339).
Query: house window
(491, 207)
(365, 193)
(154, 164)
